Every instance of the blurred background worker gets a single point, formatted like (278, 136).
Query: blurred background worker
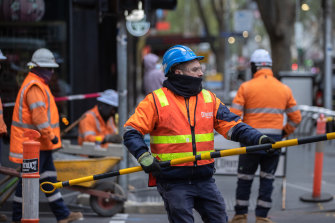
(98, 124)
(262, 101)
(153, 74)
(180, 118)
(35, 108)
(3, 129)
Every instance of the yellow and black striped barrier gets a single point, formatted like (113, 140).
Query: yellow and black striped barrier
(49, 187)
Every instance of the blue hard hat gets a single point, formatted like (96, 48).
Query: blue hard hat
(178, 54)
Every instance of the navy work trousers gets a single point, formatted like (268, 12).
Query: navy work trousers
(47, 173)
(247, 166)
(180, 199)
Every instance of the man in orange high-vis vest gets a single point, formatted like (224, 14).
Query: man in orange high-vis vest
(180, 118)
(98, 124)
(262, 101)
(35, 108)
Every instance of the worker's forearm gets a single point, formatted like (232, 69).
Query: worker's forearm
(40, 120)
(134, 141)
(245, 134)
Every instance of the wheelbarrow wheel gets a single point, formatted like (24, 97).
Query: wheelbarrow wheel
(107, 207)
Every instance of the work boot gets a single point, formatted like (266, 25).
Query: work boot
(239, 218)
(73, 216)
(263, 220)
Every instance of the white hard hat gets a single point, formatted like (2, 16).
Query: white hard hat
(2, 57)
(43, 58)
(261, 58)
(110, 97)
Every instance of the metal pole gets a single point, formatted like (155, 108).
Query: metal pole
(122, 90)
(328, 48)
(226, 55)
(71, 60)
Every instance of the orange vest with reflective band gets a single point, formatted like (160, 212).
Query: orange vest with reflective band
(22, 119)
(93, 124)
(263, 101)
(3, 128)
(173, 136)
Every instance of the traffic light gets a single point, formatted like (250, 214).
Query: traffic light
(128, 4)
(160, 4)
(148, 4)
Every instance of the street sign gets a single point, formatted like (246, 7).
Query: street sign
(243, 21)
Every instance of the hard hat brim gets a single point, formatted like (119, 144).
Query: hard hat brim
(51, 65)
(3, 57)
(104, 100)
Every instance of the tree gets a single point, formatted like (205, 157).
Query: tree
(218, 47)
(278, 17)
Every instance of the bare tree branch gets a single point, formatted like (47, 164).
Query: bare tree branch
(203, 19)
(218, 11)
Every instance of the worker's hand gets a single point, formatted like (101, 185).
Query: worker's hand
(264, 139)
(55, 140)
(149, 164)
(112, 139)
(284, 134)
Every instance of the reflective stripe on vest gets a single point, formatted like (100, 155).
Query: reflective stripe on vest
(181, 138)
(164, 102)
(207, 96)
(161, 97)
(171, 156)
(97, 123)
(16, 155)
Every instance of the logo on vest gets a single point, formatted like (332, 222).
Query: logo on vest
(30, 166)
(207, 114)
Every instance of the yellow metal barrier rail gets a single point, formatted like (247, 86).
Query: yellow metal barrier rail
(49, 187)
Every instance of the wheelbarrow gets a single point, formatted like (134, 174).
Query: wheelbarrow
(106, 197)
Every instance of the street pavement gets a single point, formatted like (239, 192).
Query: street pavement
(145, 205)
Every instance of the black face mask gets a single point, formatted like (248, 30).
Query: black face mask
(106, 111)
(44, 73)
(253, 68)
(183, 85)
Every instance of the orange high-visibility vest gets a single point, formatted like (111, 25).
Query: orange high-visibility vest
(93, 125)
(173, 136)
(263, 101)
(22, 118)
(3, 127)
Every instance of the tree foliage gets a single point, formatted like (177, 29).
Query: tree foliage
(278, 17)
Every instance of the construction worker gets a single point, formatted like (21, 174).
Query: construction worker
(98, 124)
(153, 75)
(262, 101)
(180, 118)
(3, 130)
(35, 108)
